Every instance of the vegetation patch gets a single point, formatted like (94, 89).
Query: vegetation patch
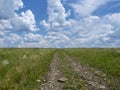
(106, 60)
(21, 69)
(74, 82)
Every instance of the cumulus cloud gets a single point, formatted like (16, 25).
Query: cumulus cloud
(51, 39)
(113, 19)
(94, 31)
(31, 37)
(25, 21)
(45, 24)
(87, 7)
(2, 34)
(57, 39)
(8, 8)
(13, 38)
(57, 15)
(5, 24)
(88, 31)
(9, 19)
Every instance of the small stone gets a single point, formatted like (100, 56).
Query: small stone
(24, 56)
(104, 75)
(86, 72)
(100, 73)
(44, 80)
(50, 81)
(62, 79)
(51, 85)
(86, 85)
(5, 62)
(90, 83)
(102, 87)
(38, 81)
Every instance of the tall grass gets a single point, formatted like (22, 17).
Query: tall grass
(107, 60)
(21, 68)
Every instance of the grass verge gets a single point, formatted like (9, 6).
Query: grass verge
(74, 82)
(24, 69)
(107, 60)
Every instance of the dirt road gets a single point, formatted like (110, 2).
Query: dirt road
(94, 79)
(53, 76)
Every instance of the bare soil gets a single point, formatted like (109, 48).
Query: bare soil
(53, 76)
(94, 79)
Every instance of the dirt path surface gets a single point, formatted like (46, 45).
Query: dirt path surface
(95, 80)
(53, 76)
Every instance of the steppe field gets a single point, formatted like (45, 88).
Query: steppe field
(60, 69)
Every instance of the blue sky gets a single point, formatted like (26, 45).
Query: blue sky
(59, 23)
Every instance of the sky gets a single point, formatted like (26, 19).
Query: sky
(59, 23)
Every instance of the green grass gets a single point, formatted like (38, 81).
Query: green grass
(21, 68)
(74, 82)
(107, 60)
(24, 67)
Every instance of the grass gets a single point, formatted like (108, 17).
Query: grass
(74, 82)
(107, 60)
(21, 68)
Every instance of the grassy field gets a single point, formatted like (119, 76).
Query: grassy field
(107, 60)
(24, 69)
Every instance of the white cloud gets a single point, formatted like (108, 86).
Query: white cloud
(58, 37)
(88, 31)
(113, 19)
(87, 7)
(13, 38)
(5, 24)
(51, 39)
(9, 39)
(8, 7)
(45, 24)
(30, 37)
(25, 21)
(2, 34)
(92, 31)
(57, 15)
(9, 19)
(97, 31)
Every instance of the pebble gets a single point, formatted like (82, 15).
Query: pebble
(38, 81)
(24, 56)
(100, 73)
(62, 79)
(44, 80)
(102, 87)
(5, 62)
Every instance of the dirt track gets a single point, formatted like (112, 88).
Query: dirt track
(89, 75)
(94, 79)
(53, 76)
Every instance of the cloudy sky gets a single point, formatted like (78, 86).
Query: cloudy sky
(59, 23)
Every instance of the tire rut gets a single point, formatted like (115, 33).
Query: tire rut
(53, 76)
(93, 82)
